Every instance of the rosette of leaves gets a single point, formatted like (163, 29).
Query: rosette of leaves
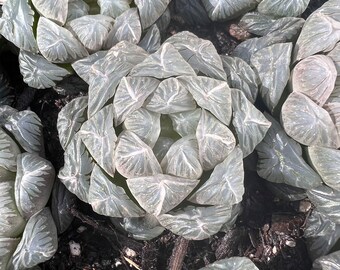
(159, 142)
(53, 34)
(28, 234)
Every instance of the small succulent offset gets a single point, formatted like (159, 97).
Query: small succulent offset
(159, 142)
(53, 33)
(28, 234)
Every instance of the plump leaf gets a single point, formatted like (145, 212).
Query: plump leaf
(328, 262)
(326, 201)
(75, 174)
(326, 162)
(126, 27)
(287, 8)
(272, 66)
(131, 94)
(11, 222)
(212, 95)
(241, 76)
(164, 63)
(335, 56)
(8, 152)
(150, 11)
(142, 228)
(280, 159)
(199, 53)
(161, 147)
(39, 241)
(185, 123)
(38, 72)
(164, 20)
(151, 41)
(145, 124)
(170, 97)
(257, 23)
(27, 130)
(232, 263)
(193, 12)
(113, 8)
(57, 44)
(227, 9)
(16, 24)
(182, 159)
(160, 193)
(196, 223)
(334, 111)
(286, 192)
(70, 119)
(5, 113)
(91, 30)
(134, 158)
(7, 248)
(108, 199)
(33, 183)
(250, 124)
(99, 137)
(77, 9)
(109, 70)
(215, 140)
(55, 10)
(315, 77)
(225, 184)
(307, 123)
(320, 32)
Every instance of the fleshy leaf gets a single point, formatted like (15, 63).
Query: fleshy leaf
(215, 140)
(77, 9)
(55, 10)
(113, 8)
(257, 23)
(232, 263)
(91, 30)
(99, 137)
(7, 248)
(39, 241)
(164, 63)
(241, 76)
(33, 183)
(160, 193)
(196, 223)
(130, 95)
(212, 95)
(126, 27)
(57, 44)
(334, 111)
(326, 162)
(162, 146)
(227, 9)
(280, 160)
(287, 8)
(330, 261)
(225, 185)
(250, 124)
(150, 11)
(170, 97)
(16, 24)
(75, 174)
(151, 42)
(182, 159)
(8, 152)
(27, 130)
(335, 56)
(109, 70)
(315, 77)
(108, 199)
(11, 222)
(192, 12)
(134, 158)
(70, 119)
(199, 53)
(272, 66)
(38, 72)
(307, 123)
(145, 124)
(185, 123)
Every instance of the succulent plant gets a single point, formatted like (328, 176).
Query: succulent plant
(28, 234)
(152, 144)
(51, 34)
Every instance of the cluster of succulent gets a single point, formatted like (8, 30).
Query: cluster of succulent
(28, 235)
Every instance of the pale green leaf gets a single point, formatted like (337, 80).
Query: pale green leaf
(151, 10)
(55, 10)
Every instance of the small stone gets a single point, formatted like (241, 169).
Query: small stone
(304, 206)
(130, 252)
(81, 229)
(290, 243)
(274, 250)
(74, 248)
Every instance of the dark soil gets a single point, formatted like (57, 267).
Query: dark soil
(269, 231)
